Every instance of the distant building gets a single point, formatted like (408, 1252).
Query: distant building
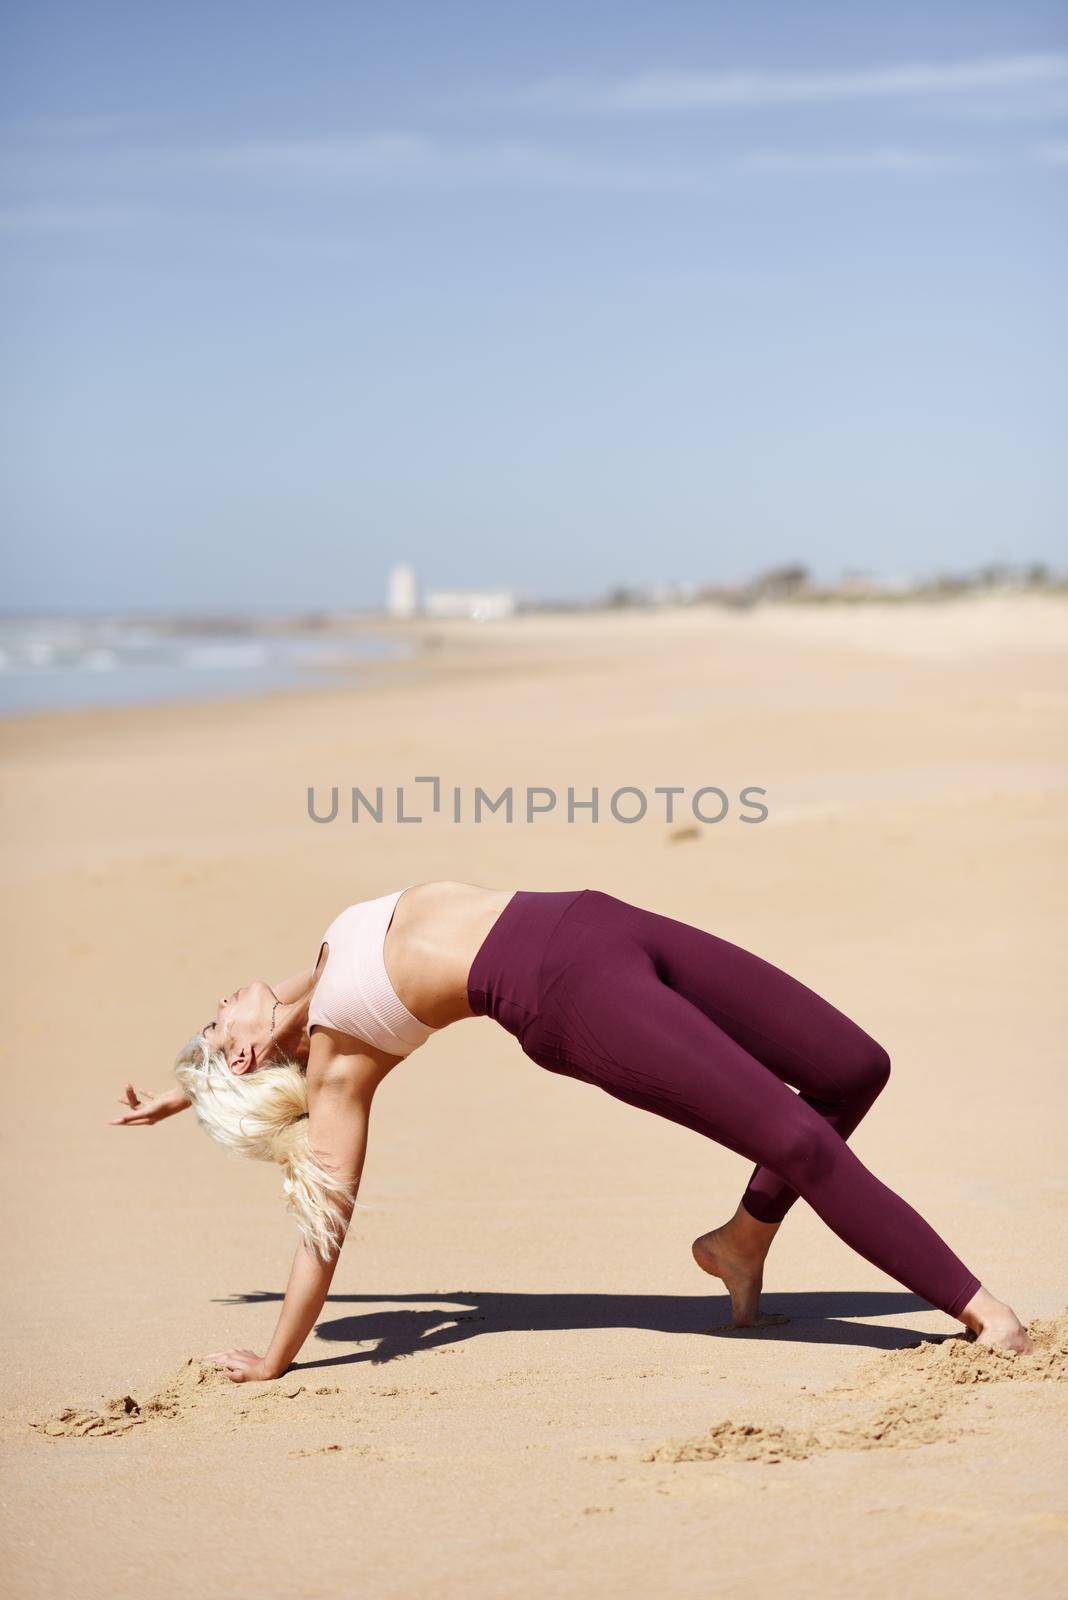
(402, 595)
(781, 583)
(480, 605)
(672, 593)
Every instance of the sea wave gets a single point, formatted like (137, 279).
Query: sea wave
(58, 663)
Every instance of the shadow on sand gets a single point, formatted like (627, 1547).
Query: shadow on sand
(427, 1321)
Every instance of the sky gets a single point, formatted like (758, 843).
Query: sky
(553, 297)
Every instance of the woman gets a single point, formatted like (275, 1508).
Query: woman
(658, 1013)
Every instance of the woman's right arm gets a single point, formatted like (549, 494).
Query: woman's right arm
(144, 1108)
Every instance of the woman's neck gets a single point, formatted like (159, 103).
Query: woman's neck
(291, 1020)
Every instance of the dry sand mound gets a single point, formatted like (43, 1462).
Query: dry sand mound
(960, 1360)
(917, 1391)
(195, 1387)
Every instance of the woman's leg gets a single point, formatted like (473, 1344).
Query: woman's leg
(800, 1037)
(645, 1041)
(690, 1063)
(807, 1042)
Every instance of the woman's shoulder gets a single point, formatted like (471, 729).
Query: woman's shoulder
(340, 1063)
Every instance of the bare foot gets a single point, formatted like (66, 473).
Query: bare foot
(996, 1324)
(735, 1252)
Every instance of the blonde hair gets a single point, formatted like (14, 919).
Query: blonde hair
(264, 1114)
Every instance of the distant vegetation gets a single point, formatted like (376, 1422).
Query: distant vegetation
(794, 582)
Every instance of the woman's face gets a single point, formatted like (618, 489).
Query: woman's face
(243, 1020)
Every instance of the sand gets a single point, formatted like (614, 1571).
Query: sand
(521, 1384)
(912, 1397)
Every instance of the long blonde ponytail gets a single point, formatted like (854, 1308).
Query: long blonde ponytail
(264, 1114)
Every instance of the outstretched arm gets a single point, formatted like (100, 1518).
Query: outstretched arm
(341, 1086)
(144, 1108)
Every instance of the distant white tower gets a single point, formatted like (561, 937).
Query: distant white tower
(402, 597)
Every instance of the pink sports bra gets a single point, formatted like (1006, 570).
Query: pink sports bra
(354, 994)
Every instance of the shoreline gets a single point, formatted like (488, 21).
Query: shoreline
(461, 648)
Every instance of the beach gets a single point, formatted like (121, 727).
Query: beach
(522, 1385)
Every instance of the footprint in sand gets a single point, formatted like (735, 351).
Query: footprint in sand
(766, 1319)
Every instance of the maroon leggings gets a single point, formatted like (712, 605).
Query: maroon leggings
(680, 1022)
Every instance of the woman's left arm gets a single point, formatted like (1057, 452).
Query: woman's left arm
(341, 1085)
(306, 1291)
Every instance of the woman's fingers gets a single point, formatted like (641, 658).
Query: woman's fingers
(138, 1103)
(237, 1364)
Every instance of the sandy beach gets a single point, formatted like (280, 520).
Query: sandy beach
(522, 1385)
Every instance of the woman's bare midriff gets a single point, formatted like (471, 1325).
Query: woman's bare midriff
(436, 932)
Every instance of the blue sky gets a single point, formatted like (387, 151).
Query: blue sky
(554, 297)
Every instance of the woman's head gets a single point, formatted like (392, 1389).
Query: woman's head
(259, 1109)
(248, 1029)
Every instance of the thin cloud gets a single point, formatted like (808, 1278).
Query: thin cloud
(62, 129)
(828, 162)
(398, 161)
(734, 91)
(389, 163)
(1040, 103)
(403, 160)
(44, 219)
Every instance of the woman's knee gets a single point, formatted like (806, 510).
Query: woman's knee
(804, 1149)
(863, 1067)
(877, 1068)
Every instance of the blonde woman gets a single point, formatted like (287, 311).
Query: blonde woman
(657, 1013)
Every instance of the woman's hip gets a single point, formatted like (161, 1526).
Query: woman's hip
(506, 977)
(559, 971)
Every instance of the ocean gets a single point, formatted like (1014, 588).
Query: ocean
(61, 664)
